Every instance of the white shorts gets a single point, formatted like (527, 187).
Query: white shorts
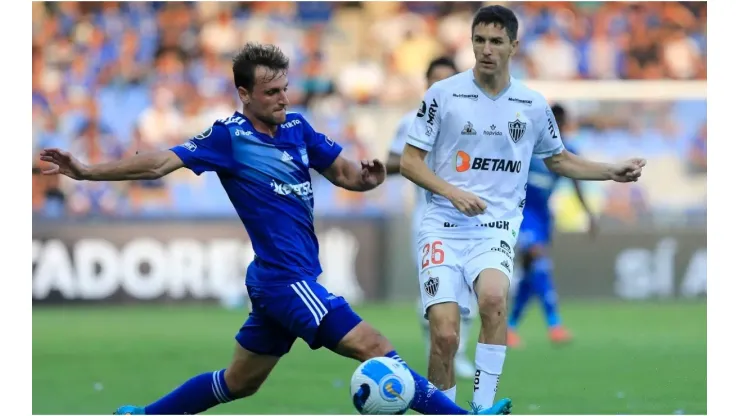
(449, 267)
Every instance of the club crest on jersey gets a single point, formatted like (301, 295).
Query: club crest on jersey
(431, 286)
(304, 156)
(517, 129)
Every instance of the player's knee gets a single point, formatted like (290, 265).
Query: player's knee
(364, 342)
(492, 298)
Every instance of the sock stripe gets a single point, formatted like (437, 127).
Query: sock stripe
(217, 391)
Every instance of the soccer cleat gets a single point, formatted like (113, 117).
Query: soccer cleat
(463, 367)
(129, 410)
(501, 407)
(513, 339)
(560, 335)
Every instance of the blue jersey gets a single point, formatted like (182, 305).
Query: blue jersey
(541, 184)
(268, 181)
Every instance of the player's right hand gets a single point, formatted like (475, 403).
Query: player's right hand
(63, 163)
(467, 203)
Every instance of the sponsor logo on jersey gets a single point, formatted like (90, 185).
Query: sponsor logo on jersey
(468, 129)
(501, 225)
(233, 120)
(303, 190)
(242, 133)
(473, 97)
(517, 129)
(464, 162)
(493, 131)
(551, 124)
(290, 124)
(519, 100)
(432, 112)
(287, 158)
(189, 145)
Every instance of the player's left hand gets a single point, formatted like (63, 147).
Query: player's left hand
(373, 172)
(628, 171)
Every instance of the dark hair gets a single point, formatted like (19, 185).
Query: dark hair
(443, 61)
(253, 55)
(497, 15)
(559, 112)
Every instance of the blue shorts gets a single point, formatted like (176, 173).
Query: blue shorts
(535, 230)
(305, 309)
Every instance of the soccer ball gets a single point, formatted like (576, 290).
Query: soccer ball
(382, 386)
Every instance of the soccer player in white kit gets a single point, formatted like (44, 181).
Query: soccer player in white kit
(437, 70)
(470, 147)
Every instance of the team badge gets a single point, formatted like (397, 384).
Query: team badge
(304, 156)
(517, 129)
(431, 286)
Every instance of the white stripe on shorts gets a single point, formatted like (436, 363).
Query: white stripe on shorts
(316, 316)
(309, 292)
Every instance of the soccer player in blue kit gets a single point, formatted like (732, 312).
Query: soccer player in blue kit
(534, 242)
(262, 156)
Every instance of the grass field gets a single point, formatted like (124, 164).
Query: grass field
(637, 358)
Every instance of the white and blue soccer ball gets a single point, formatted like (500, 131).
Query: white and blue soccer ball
(382, 386)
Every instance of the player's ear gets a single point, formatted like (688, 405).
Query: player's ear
(243, 95)
(514, 47)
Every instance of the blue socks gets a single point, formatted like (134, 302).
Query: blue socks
(196, 395)
(428, 399)
(521, 298)
(541, 282)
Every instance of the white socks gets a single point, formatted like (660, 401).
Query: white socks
(489, 363)
(451, 393)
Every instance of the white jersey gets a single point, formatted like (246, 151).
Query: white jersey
(399, 141)
(482, 145)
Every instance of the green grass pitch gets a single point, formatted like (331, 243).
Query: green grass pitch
(627, 358)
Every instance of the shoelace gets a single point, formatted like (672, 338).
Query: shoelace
(474, 408)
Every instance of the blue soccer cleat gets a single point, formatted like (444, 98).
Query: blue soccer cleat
(129, 410)
(501, 407)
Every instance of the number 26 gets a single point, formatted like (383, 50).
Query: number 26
(437, 254)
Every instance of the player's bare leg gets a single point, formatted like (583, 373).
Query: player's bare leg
(247, 372)
(492, 289)
(444, 326)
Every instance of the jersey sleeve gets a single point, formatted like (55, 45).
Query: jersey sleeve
(424, 130)
(322, 150)
(209, 151)
(399, 140)
(549, 142)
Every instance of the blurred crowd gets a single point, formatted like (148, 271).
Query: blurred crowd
(111, 78)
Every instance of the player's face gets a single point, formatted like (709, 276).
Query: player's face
(268, 100)
(439, 73)
(492, 48)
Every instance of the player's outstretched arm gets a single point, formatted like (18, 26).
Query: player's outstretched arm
(141, 166)
(569, 165)
(366, 175)
(393, 163)
(416, 170)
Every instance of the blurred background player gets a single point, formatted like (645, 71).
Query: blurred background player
(535, 238)
(438, 70)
